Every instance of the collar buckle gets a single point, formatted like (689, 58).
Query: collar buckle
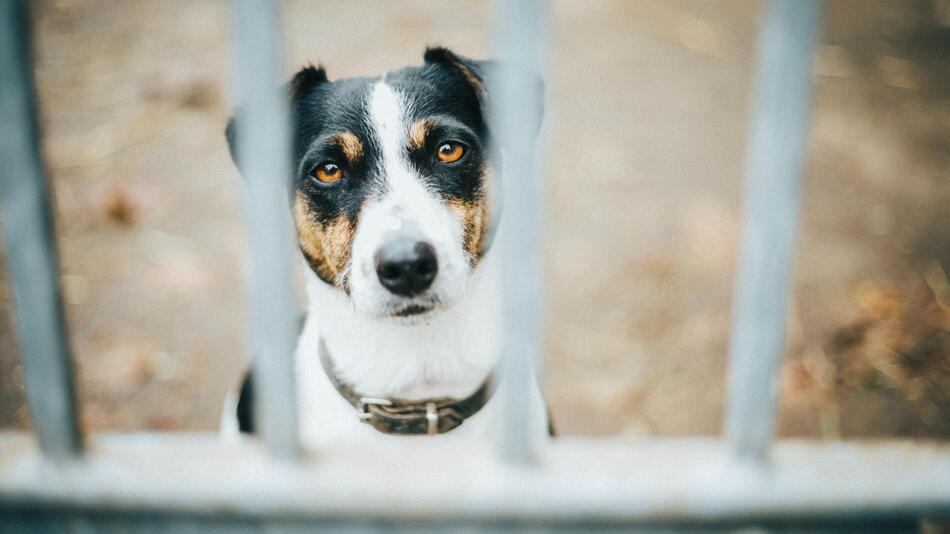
(363, 407)
(432, 419)
(398, 416)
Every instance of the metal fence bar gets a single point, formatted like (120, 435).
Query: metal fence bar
(774, 162)
(672, 481)
(518, 27)
(263, 141)
(31, 250)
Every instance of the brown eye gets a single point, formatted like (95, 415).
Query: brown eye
(450, 152)
(328, 172)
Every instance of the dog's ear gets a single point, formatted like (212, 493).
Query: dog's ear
(306, 80)
(474, 72)
(480, 76)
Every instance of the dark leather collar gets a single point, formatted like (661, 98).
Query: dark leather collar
(418, 417)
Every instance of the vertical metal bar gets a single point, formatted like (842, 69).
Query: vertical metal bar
(31, 250)
(774, 162)
(519, 34)
(263, 141)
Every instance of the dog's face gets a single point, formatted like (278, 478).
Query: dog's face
(393, 193)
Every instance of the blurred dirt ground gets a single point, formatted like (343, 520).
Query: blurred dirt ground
(646, 115)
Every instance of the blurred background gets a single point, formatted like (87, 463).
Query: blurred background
(646, 119)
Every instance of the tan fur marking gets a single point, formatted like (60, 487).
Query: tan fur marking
(419, 131)
(475, 220)
(470, 77)
(350, 144)
(326, 246)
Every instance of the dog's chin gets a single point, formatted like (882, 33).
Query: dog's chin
(414, 314)
(378, 304)
(408, 313)
(413, 310)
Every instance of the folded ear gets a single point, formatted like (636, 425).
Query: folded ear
(306, 80)
(474, 72)
(480, 75)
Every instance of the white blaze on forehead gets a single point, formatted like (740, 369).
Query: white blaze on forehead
(409, 203)
(387, 111)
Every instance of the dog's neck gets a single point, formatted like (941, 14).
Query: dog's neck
(448, 354)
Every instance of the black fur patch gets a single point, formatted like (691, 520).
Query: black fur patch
(245, 405)
(474, 72)
(307, 78)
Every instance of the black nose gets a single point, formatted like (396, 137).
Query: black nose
(406, 267)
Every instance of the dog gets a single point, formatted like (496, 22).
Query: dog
(396, 205)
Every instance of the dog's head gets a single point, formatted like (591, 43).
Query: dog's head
(394, 193)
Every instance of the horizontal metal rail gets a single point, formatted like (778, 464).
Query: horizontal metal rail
(31, 249)
(604, 480)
